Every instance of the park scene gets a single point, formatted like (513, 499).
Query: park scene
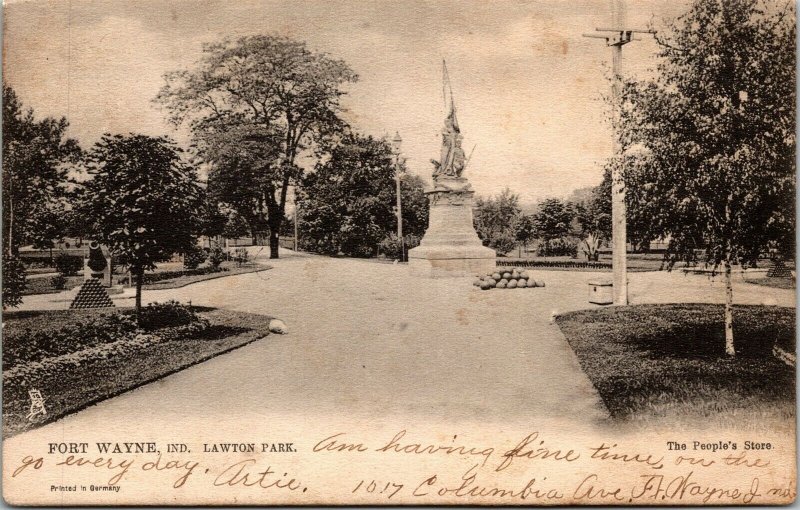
(281, 221)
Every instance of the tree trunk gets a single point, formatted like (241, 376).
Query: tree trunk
(274, 243)
(10, 224)
(12, 250)
(139, 280)
(729, 346)
(274, 224)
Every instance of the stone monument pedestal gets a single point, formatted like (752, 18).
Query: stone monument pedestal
(451, 247)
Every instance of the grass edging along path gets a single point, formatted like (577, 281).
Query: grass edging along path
(183, 281)
(89, 383)
(651, 362)
(44, 286)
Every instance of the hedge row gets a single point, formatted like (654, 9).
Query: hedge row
(169, 275)
(568, 264)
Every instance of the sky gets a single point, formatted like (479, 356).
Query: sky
(528, 87)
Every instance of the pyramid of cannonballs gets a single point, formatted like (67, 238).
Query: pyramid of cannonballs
(779, 270)
(92, 294)
(507, 278)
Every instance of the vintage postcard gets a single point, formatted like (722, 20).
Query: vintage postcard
(520, 252)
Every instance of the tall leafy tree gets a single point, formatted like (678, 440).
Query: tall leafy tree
(212, 217)
(526, 230)
(414, 204)
(36, 154)
(495, 219)
(347, 203)
(271, 90)
(710, 141)
(242, 176)
(143, 201)
(594, 213)
(552, 220)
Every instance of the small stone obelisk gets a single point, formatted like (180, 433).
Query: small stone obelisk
(450, 246)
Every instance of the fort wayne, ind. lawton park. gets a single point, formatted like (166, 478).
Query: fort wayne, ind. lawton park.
(318, 227)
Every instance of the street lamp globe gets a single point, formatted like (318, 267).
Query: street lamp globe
(396, 141)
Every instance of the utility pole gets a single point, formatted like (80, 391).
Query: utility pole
(616, 37)
(396, 149)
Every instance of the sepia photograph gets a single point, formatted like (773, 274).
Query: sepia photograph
(519, 252)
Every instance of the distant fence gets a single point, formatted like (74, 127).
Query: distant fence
(286, 242)
(567, 264)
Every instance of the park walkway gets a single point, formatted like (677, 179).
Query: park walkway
(369, 342)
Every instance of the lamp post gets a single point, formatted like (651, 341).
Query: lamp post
(296, 211)
(396, 150)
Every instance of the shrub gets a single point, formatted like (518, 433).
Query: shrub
(162, 315)
(391, 246)
(38, 264)
(590, 247)
(216, 257)
(68, 265)
(503, 242)
(194, 257)
(240, 256)
(558, 248)
(357, 247)
(13, 281)
(59, 282)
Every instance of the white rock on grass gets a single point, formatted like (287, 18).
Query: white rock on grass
(277, 326)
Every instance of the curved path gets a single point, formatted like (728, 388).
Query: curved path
(367, 339)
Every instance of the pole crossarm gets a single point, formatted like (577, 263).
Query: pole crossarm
(632, 30)
(618, 37)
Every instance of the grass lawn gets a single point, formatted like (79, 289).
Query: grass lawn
(44, 285)
(651, 362)
(778, 283)
(86, 383)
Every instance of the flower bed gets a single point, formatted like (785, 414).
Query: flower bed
(29, 373)
(26, 344)
(90, 365)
